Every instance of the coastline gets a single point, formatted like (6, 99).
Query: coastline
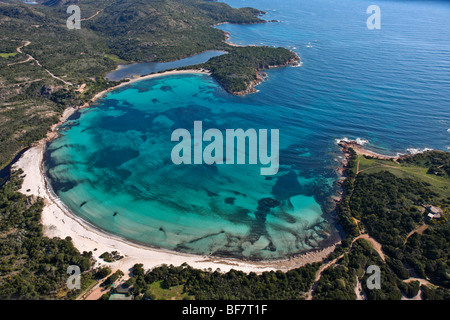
(71, 110)
(58, 221)
(261, 76)
(358, 146)
(140, 78)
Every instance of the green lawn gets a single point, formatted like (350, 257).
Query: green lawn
(440, 185)
(369, 163)
(115, 58)
(174, 293)
(7, 55)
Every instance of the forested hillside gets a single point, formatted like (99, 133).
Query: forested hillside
(32, 266)
(45, 67)
(388, 201)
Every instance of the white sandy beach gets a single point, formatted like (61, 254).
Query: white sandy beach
(150, 76)
(57, 221)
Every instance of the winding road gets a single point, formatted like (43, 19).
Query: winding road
(31, 58)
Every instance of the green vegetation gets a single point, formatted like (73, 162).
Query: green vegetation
(115, 58)
(111, 256)
(390, 205)
(31, 265)
(112, 278)
(234, 285)
(102, 273)
(383, 198)
(338, 282)
(386, 199)
(387, 205)
(237, 70)
(157, 292)
(60, 68)
(435, 293)
(165, 30)
(428, 167)
(7, 55)
(410, 288)
(114, 32)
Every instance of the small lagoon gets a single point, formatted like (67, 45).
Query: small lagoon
(111, 164)
(140, 69)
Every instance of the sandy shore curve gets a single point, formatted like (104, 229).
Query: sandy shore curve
(58, 221)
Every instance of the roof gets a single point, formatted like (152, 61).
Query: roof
(435, 210)
(122, 289)
(434, 215)
(120, 296)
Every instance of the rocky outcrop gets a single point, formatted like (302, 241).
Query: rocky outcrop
(261, 76)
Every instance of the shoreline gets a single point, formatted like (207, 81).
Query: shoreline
(358, 146)
(58, 221)
(71, 110)
(121, 65)
(141, 78)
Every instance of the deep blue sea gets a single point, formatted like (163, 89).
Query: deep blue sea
(111, 165)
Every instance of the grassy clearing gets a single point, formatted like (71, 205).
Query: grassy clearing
(114, 58)
(440, 185)
(7, 55)
(365, 163)
(173, 293)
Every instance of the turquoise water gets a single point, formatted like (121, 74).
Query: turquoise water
(112, 167)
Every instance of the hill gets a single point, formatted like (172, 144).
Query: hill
(45, 67)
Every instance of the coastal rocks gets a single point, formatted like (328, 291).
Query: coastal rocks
(345, 142)
(251, 87)
(262, 76)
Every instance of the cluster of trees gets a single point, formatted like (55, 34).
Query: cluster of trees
(437, 162)
(427, 159)
(429, 254)
(111, 256)
(31, 265)
(102, 272)
(345, 217)
(388, 205)
(129, 31)
(237, 70)
(390, 208)
(166, 30)
(338, 282)
(112, 278)
(207, 285)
